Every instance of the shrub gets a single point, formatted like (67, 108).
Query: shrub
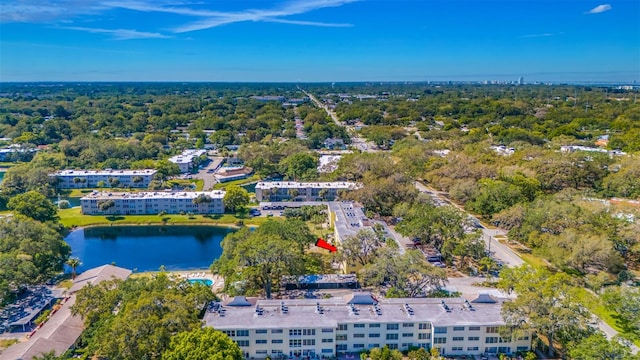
(64, 204)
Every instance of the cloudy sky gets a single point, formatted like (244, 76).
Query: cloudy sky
(319, 40)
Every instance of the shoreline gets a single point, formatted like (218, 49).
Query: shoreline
(222, 225)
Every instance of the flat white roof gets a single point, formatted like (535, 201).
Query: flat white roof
(187, 156)
(103, 195)
(104, 172)
(303, 313)
(305, 185)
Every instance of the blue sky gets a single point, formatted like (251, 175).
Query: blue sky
(319, 40)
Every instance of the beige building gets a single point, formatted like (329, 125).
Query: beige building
(302, 191)
(330, 327)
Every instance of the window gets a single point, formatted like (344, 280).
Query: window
(407, 325)
(309, 332)
(374, 335)
(276, 341)
(307, 342)
(440, 330)
(474, 328)
(327, 340)
(505, 340)
(424, 326)
(522, 348)
(492, 349)
(276, 351)
(374, 325)
(473, 338)
(406, 345)
(458, 328)
(325, 330)
(242, 333)
(523, 338)
(440, 340)
(358, 346)
(423, 336)
(472, 348)
(295, 343)
(458, 338)
(327, 351)
(341, 347)
(358, 325)
(295, 332)
(504, 349)
(492, 329)
(407, 335)
(341, 337)
(393, 346)
(261, 331)
(342, 327)
(374, 345)
(243, 343)
(261, 352)
(230, 333)
(456, 348)
(261, 341)
(491, 340)
(392, 327)
(276, 331)
(392, 336)
(358, 335)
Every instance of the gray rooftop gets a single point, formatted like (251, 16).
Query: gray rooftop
(349, 219)
(98, 274)
(304, 313)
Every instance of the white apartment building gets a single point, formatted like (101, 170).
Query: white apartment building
(330, 327)
(138, 203)
(347, 220)
(303, 191)
(187, 159)
(76, 179)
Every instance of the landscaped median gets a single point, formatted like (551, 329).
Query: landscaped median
(74, 218)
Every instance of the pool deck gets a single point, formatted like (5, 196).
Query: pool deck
(218, 281)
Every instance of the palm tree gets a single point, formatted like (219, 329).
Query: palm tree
(74, 263)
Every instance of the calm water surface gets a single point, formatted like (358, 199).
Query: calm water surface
(146, 248)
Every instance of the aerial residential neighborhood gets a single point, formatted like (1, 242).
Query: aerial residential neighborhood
(319, 179)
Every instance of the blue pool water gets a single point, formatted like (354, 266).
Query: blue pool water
(206, 282)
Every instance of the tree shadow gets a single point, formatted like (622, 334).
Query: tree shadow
(114, 217)
(627, 327)
(213, 216)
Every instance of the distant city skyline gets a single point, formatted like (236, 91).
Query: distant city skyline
(320, 40)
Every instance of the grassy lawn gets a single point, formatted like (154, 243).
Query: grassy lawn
(594, 304)
(253, 178)
(73, 218)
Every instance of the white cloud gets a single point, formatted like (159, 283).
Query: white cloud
(119, 34)
(530, 36)
(200, 18)
(600, 9)
(217, 18)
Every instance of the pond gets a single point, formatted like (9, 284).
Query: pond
(146, 248)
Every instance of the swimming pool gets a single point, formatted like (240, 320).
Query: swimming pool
(205, 282)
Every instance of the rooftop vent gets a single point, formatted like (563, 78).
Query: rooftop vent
(409, 309)
(319, 309)
(468, 305)
(445, 306)
(284, 308)
(259, 310)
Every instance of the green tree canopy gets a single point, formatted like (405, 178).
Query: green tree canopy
(137, 318)
(235, 198)
(34, 205)
(202, 344)
(255, 261)
(30, 252)
(597, 346)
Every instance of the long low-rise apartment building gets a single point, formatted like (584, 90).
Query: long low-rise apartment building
(140, 203)
(357, 322)
(76, 179)
(302, 191)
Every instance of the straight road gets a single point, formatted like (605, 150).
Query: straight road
(499, 251)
